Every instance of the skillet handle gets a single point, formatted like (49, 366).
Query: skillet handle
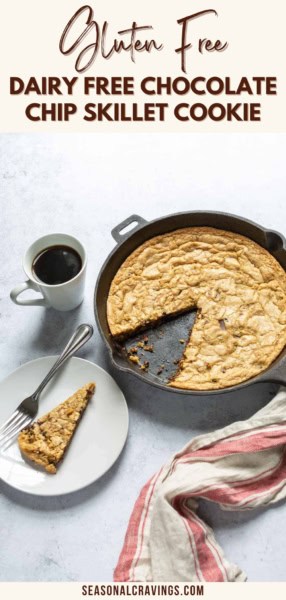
(116, 231)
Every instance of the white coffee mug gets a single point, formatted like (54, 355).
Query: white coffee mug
(62, 296)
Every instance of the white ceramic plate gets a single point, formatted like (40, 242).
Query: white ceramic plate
(98, 441)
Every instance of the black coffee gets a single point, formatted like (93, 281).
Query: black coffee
(57, 264)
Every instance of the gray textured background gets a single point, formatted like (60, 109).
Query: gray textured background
(85, 185)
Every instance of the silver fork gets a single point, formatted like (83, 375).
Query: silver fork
(27, 410)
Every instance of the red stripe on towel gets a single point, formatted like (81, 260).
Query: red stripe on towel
(210, 563)
(124, 565)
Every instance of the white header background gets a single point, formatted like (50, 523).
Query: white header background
(30, 32)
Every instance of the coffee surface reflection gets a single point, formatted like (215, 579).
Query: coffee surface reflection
(56, 265)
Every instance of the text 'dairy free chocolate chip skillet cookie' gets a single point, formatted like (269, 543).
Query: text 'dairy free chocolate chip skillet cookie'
(237, 287)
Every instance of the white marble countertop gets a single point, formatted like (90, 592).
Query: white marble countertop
(85, 185)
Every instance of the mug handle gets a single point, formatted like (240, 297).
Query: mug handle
(22, 287)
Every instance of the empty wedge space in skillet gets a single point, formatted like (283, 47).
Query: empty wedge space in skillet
(46, 441)
(229, 278)
(157, 348)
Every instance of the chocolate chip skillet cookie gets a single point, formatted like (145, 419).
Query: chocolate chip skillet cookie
(237, 287)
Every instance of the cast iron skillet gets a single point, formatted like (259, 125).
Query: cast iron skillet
(167, 338)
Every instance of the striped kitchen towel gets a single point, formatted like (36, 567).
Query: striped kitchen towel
(240, 467)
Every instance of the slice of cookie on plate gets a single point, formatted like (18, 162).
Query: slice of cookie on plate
(47, 439)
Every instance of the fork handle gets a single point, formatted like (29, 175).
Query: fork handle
(81, 335)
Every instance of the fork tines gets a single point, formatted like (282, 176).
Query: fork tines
(10, 429)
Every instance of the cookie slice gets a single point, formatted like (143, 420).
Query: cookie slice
(46, 441)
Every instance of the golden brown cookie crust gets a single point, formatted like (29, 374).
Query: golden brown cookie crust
(237, 286)
(46, 441)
